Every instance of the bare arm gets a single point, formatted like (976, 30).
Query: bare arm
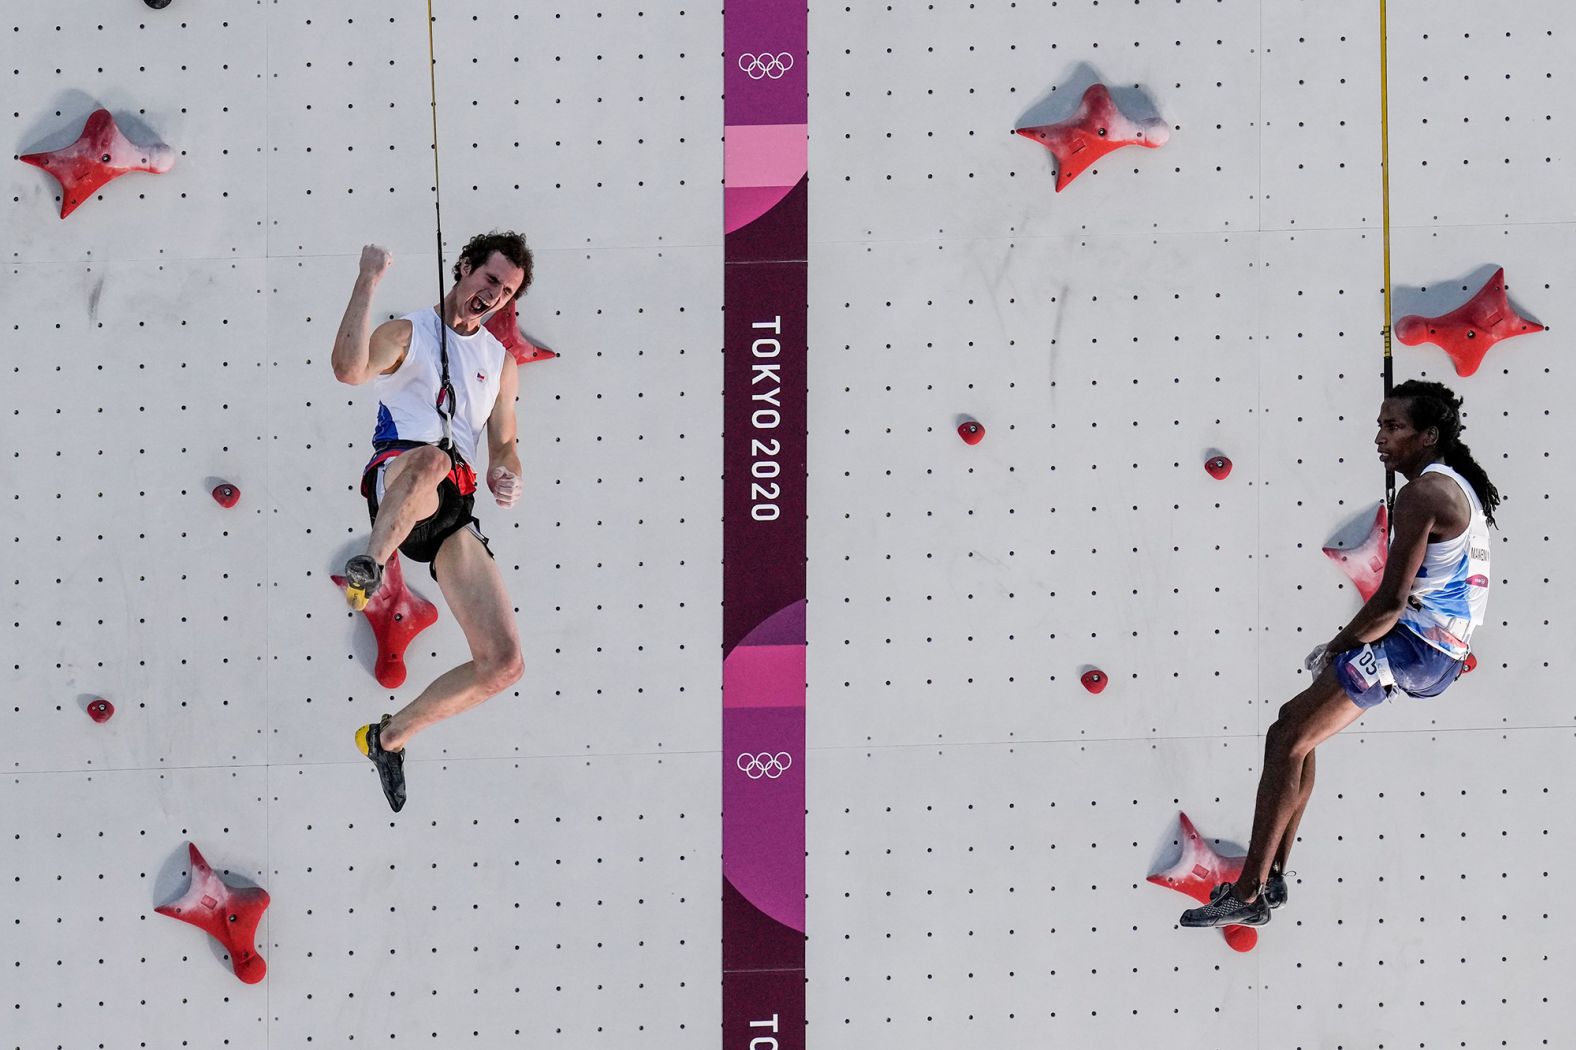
(501, 423)
(1417, 507)
(359, 352)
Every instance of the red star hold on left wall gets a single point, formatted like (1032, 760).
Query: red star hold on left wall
(101, 153)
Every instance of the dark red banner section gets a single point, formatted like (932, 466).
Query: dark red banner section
(763, 445)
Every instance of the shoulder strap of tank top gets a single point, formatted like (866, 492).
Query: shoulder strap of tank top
(1473, 503)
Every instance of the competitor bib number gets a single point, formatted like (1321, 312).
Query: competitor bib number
(1366, 664)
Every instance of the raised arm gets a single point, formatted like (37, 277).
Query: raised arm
(1417, 507)
(360, 353)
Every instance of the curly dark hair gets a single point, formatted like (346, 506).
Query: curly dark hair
(1436, 405)
(508, 243)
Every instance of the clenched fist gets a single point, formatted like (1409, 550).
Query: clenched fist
(375, 261)
(505, 486)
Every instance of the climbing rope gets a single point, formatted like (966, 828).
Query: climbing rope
(445, 403)
(1384, 173)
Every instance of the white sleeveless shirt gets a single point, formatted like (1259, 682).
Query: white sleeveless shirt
(1449, 596)
(407, 399)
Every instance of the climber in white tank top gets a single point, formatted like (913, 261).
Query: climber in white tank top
(405, 397)
(1410, 637)
(1449, 594)
(420, 485)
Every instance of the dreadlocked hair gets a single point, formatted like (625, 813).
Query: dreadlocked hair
(1436, 405)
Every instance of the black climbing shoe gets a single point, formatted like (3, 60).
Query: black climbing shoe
(363, 577)
(391, 764)
(1275, 889)
(1224, 909)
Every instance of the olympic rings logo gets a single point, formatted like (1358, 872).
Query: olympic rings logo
(764, 764)
(766, 65)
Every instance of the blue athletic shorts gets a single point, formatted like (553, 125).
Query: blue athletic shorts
(1400, 662)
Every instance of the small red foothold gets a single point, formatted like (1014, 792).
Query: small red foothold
(1094, 680)
(1470, 664)
(101, 710)
(972, 432)
(1218, 467)
(1241, 938)
(226, 495)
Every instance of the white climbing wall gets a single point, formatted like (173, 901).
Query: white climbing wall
(980, 826)
(554, 878)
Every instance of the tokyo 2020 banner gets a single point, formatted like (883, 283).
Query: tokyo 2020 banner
(764, 392)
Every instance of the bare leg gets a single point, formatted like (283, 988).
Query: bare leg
(474, 590)
(410, 495)
(1312, 717)
(1289, 837)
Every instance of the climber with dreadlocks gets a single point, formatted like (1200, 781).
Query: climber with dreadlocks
(1409, 639)
(440, 378)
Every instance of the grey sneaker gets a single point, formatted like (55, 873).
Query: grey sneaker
(1224, 909)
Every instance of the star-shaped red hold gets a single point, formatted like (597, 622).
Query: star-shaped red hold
(100, 154)
(397, 615)
(1467, 332)
(1199, 870)
(229, 914)
(1095, 129)
(1364, 565)
(505, 327)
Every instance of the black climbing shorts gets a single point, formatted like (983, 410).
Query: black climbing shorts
(427, 535)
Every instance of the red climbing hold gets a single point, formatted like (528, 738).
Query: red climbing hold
(1094, 680)
(397, 615)
(972, 432)
(505, 327)
(101, 153)
(226, 495)
(229, 914)
(1469, 664)
(1218, 467)
(1096, 128)
(101, 710)
(1467, 332)
(1364, 565)
(1198, 871)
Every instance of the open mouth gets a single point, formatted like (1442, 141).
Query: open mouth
(477, 305)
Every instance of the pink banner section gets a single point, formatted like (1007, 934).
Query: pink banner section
(763, 676)
(761, 163)
(763, 798)
(764, 155)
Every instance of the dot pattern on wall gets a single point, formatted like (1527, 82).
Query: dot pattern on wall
(554, 875)
(980, 824)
